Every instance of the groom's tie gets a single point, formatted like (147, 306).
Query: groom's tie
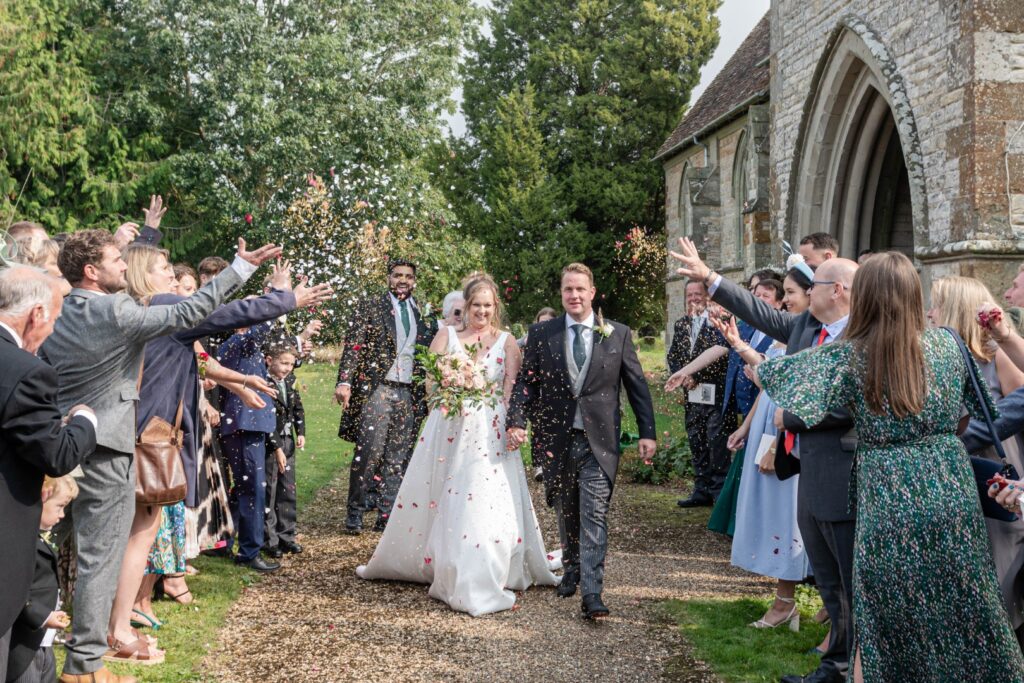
(579, 350)
(404, 307)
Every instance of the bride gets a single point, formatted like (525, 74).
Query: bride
(463, 520)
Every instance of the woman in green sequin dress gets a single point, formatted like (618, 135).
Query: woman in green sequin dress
(926, 603)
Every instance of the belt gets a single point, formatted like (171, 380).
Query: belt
(396, 385)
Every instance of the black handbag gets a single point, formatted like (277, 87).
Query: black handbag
(985, 469)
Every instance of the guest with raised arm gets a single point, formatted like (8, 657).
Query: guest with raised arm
(97, 348)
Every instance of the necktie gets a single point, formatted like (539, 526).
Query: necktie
(790, 436)
(282, 392)
(579, 350)
(404, 308)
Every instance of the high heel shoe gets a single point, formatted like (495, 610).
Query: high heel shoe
(793, 618)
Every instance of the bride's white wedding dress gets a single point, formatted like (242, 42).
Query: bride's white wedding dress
(463, 520)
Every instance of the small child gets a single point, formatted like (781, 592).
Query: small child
(281, 444)
(31, 656)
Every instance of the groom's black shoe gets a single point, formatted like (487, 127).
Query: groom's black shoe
(593, 608)
(826, 673)
(696, 501)
(354, 524)
(567, 587)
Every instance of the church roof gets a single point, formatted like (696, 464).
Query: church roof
(745, 77)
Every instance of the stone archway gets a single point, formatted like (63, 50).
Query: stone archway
(858, 174)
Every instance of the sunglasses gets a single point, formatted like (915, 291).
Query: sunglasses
(457, 311)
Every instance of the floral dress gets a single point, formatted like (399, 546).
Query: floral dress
(926, 602)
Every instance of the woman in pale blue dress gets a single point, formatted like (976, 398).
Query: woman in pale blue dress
(767, 538)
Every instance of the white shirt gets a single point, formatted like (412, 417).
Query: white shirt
(588, 331)
(17, 337)
(833, 330)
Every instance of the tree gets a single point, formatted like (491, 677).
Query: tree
(523, 207)
(611, 79)
(249, 97)
(64, 162)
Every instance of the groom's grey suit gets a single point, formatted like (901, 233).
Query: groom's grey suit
(574, 408)
(96, 348)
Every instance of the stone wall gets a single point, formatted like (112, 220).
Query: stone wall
(961, 68)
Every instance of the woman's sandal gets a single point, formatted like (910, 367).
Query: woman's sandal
(160, 593)
(137, 652)
(149, 622)
(793, 618)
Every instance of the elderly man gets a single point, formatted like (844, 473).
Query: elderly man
(34, 440)
(825, 450)
(97, 348)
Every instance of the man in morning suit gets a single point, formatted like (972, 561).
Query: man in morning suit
(825, 450)
(33, 439)
(708, 421)
(97, 348)
(383, 406)
(574, 368)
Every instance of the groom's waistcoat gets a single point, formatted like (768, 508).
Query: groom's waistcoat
(552, 391)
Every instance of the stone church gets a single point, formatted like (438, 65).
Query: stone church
(891, 125)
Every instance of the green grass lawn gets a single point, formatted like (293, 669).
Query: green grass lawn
(189, 632)
(719, 632)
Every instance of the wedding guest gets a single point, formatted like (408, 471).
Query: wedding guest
(209, 268)
(825, 450)
(34, 440)
(97, 348)
(27, 230)
(543, 315)
(31, 654)
(740, 394)
(817, 248)
(383, 406)
(42, 254)
(905, 385)
(955, 302)
(451, 310)
(707, 426)
(1014, 296)
(289, 434)
(767, 538)
(188, 281)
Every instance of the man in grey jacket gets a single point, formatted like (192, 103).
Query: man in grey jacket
(97, 348)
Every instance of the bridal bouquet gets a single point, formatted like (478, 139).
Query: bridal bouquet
(458, 381)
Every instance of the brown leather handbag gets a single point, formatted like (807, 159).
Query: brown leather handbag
(159, 471)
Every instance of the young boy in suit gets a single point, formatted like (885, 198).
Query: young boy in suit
(281, 444)
(31, 655)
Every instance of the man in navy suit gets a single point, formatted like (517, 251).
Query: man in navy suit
(33, 439)
(740, 392)
(243, 434)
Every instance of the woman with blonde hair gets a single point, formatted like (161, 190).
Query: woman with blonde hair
(926, 602)
(170, 378)
(463, 521)
(955, 302)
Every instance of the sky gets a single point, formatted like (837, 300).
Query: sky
(737, 18)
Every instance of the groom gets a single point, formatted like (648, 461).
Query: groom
(573, 368)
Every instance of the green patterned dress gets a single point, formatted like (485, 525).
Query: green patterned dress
(926, 603)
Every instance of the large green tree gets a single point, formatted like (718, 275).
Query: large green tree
(64, 160)
(251, 96)
(609, 79)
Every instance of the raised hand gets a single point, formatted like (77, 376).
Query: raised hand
(312, 329)
(155, 213)
(691, 265)
(256, 258)
(281, 275)
(992, 318)
(125, 235)
(311, 296)
(260, 384)
(728, 329)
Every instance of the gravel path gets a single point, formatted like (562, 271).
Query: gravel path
(316, 621)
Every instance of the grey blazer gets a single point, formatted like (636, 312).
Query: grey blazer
(826, 449)
(98, 343)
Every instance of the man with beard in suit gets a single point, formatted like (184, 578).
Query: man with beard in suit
(383, 406)
(33, 440)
